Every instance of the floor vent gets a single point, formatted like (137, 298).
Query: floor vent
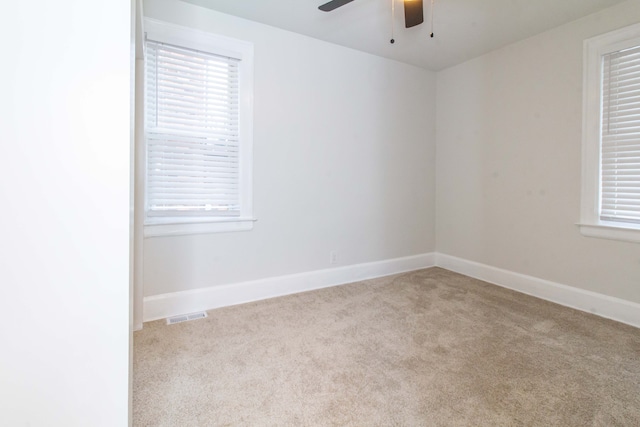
(186, 317)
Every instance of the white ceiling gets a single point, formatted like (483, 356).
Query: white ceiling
(463, 29)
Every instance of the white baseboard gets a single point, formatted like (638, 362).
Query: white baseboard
(178, 303)
(601, 305)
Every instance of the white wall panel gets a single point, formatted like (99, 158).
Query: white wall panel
(509, 162)
(343, 161)
(64, 218)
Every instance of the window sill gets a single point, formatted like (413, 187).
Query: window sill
(202, 227)
(612, 231)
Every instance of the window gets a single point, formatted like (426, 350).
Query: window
(611, 136)
(198, 134)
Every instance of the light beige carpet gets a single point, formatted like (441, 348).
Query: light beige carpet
(418, 349)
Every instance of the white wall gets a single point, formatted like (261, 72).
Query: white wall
(64, 222)
(509, 162)
(343, 160)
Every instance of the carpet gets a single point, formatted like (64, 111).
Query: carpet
(425, 348)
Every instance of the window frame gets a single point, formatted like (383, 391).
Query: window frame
(594, 49)
(164, 32)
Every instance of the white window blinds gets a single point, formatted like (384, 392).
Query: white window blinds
(620, 146)
(191, 129)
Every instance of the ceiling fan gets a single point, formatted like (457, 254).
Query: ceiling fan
(413, 14)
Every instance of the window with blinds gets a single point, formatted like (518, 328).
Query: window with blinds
(610, 193)
(620, 139)
(192, 133)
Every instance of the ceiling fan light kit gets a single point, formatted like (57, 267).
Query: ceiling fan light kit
(413, 12)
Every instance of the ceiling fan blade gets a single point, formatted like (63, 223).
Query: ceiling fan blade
(333, 4)
(413, 13)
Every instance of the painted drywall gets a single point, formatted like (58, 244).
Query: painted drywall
(509, 162)
(139, 161)
(64, 185)
(343, 161)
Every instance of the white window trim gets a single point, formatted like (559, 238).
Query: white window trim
(220, 225)
(594, 48)
(182, 36)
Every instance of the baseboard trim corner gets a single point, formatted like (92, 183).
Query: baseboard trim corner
(613, 308)
(178, 303)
